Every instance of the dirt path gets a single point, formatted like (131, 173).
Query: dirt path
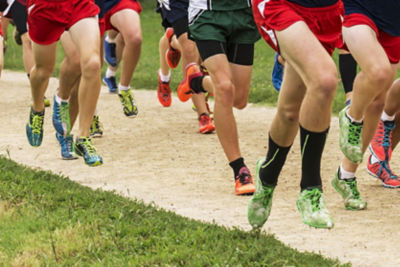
(159, 157)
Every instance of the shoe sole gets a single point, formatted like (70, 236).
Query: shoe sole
(110, 91)
(96, 135)
(383, 183)
(319, 226)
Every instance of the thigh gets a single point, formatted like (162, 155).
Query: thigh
(86, 36)
(44, 55)
(292, 91)
(127, 22)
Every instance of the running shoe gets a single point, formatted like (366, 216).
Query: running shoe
(313, 211)
(110, 53)
(260, 204)
(277, 73)
(164, 93)
(206, 124)
(96, 127)
(61, 120)
(173, 55)
(67, 146)
(46, 102)
(34, 128)
(244, 183)
(347, 188)
(184, 90)
(381, 143)
(85, 148)
(111, 84)
(128, 103)
(382, 171)
(350, 137)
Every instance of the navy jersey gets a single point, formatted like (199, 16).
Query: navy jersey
(100, 4)
(384, 13)
(109, 4)
(314, 3)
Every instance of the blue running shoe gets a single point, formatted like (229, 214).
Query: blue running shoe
(61, 120)
(277, 73)
(110, 54)
(85, 148)
(111, 84)
(67, 146)
(34, 128)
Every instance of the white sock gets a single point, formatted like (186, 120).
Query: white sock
(374, 159)
(109, 40)
(164, 78)
(345, 174)
(123, 88)
(386, 117)
(59, 99)
(110, 73)
(352, 119)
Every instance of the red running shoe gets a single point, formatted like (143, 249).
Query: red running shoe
(164, 92)
(380, 145)
(184, 91)
(244, 183)
(173, 55)
(382, 171)
(206, 124)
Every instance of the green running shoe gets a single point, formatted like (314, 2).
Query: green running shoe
(46, 102)
(96, 128)
(34, 128)
(349, 192)
(85, 148)
(311, 206)
(259, 206)
(350, 137)
(128, 103)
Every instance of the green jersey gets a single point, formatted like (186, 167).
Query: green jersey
(220, 5)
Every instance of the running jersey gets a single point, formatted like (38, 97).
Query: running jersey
(220, 5)
(100, 4)
(384, 13)
(314, 3)
(109, 4)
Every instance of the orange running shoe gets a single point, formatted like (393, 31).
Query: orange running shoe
(206, 124)
(172, 55)
(244, 183)
(184, 91)
(164, 92)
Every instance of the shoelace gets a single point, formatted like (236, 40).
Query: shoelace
(315, 195)
(385, 165)
(387, 135)
(354, 133)
(64, 112)
(127, 100)
(244, 177)
(353, 187)
(87, 144)
(37, 122)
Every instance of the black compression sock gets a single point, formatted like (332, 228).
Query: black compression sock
(272, 166)
(197, 84)
(348, 71)
(236, 165)
(312, 145)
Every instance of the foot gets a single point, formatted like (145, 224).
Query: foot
(382, 171)
(84, 147)
(350, 137)
(111, 84)
(347, 188)
(244, 183)
(277, 73)
(61, 119)
(128, 103)
(34, 128)
(164, 93)
(381, 143)
(311, 206)
(206, 124)
(96, 127)
(173, 55)
(184, 90)
(110, 54)
(67, 146)
(259, 206)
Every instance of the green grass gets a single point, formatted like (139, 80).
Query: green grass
(47, 220)
(145, 75)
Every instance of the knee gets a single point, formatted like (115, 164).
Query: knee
(377, 105)
(240, 103)
(43, 72)
(91, 66)
(380, 75)
(325, 85)
(224, 92)
(289, 113)
(133, 39)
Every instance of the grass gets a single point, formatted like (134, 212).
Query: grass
(49, 220)
(145, 75)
